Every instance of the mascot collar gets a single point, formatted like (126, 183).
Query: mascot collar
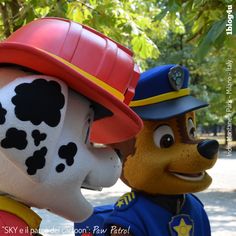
(22, 211)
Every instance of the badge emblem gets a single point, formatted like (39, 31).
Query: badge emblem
(176, 77)
(125, 201)
(181, 225)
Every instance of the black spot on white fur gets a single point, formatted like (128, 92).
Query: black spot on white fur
(37, 161)
(3, 113)
(39, 101)
(38, 137)
(68, 152)
(15, 139)
(60, 168)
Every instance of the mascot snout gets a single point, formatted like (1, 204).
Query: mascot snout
(208, 148)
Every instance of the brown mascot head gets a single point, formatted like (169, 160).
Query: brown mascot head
(168, 158)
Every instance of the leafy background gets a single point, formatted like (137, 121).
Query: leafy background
(190, 33)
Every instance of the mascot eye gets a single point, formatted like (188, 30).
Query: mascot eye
(191, 129)
(86, 129)
(163, 136)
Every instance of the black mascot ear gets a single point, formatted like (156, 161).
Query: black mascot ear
(100, 111)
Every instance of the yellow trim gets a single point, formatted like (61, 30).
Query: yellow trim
(25, 213)
(92, 78)
(160, 98)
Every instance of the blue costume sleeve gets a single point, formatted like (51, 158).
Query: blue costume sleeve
(206, 223)
(202, 221)
(127, 214)
(139, 216)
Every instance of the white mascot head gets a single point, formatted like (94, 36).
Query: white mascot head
(49, 120)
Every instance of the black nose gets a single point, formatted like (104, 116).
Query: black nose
(208, 148)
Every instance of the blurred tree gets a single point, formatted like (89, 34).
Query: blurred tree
(205, 49)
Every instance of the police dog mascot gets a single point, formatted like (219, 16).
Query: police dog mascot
(168, 162)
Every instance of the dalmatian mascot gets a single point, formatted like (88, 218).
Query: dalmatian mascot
(62, 87)
(167, 165)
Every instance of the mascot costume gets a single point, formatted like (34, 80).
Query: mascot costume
(63, 86)
(167, 165)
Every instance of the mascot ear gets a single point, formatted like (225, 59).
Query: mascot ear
(32, 110)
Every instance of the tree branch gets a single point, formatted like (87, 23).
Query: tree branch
(5, 19)
(15, 8)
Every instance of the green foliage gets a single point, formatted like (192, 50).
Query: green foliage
(191, 33)
(215, 34)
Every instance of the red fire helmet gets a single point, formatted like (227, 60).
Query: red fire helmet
(89, 62)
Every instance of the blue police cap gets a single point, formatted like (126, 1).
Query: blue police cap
(162, 92)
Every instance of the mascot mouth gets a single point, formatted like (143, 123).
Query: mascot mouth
(97, 177)
(89, 187)
(190, 177)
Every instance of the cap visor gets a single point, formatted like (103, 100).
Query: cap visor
(124, 123)
(169, 109)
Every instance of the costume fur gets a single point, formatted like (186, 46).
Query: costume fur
(167, 164)
(48, 111)
(153, 170)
